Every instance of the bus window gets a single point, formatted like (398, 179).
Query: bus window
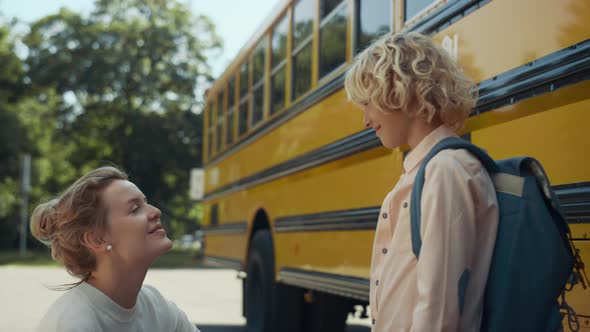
(214, 214)
(303, 15)
(229, 137)
(258, 65)
(414, 7)
(327, 6)
(302, 71)
(278, 90)
(279, 57)
(333, 38)
(258, 61)
(243, 117)
(243, 105)
(244, 80)
(279, 42)
(210, 127)
(373, 19)
(219, 121)
(257, 105)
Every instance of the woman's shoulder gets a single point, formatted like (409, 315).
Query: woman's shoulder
(72, 300)
(151, 293)
(175, 316)
(150, 296)
(69, 312)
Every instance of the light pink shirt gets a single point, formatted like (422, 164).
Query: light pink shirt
(458, 227)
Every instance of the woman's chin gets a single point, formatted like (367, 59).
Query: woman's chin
(169, 245)
(166, 246)
(163, 248)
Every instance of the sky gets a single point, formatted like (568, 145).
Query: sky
(235, 20)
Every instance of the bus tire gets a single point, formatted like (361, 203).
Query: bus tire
(264, 312)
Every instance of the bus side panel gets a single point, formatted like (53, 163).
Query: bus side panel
(505, 34)
(227, 245)
(557, 138)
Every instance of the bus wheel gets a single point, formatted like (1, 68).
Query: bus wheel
(269, 307)
(259, 295)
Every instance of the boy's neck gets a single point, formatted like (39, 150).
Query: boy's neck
(419, 129)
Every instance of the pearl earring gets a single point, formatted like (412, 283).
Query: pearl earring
(109, 247)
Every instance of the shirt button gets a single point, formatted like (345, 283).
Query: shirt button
(373, 321)
(405, 205)
(376, 282)
(384, 215)
(384, 250)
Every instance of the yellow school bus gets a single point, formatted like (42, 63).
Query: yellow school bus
(294, 182)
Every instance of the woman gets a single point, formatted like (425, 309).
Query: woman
(104, 232)
(414, 94)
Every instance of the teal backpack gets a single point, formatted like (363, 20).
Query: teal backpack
(533, 259)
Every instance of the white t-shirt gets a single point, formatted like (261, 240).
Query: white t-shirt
(85, 309)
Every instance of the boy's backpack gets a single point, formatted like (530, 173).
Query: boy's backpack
(533, 257)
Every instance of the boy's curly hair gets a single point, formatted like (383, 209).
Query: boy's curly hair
(410, 73)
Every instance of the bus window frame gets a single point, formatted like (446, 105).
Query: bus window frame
(409, 22)
(294, 98)
(292, 22)
(340, 68)
(296, 49)
(261, 83)
(356, 29)
(220, 121)
(210, 134)
(283, 18)
(281, 65)
(244, 99)
(230, 113)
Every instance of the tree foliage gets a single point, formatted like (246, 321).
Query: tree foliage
(118, 86)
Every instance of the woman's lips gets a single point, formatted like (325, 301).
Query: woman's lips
(157, 229)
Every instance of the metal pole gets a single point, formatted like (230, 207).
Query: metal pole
(26, 188)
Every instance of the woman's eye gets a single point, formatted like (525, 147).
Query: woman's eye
(134, 208)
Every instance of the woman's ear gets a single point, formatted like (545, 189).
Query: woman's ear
(93, 242)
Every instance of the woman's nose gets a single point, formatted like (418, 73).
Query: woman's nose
(156, 213)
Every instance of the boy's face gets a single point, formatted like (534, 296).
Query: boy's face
(392, 128)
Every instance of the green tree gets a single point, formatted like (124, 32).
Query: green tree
(13, 138)
(26, 126)
(126, 77)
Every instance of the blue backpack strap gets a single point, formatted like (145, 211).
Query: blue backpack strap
(416, 196)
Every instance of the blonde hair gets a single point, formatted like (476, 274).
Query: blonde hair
(409, 72)
(62, 222)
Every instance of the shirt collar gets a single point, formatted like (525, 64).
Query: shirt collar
(105, 304)
(415, 156)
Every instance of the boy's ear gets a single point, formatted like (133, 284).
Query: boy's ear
(93, 242)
